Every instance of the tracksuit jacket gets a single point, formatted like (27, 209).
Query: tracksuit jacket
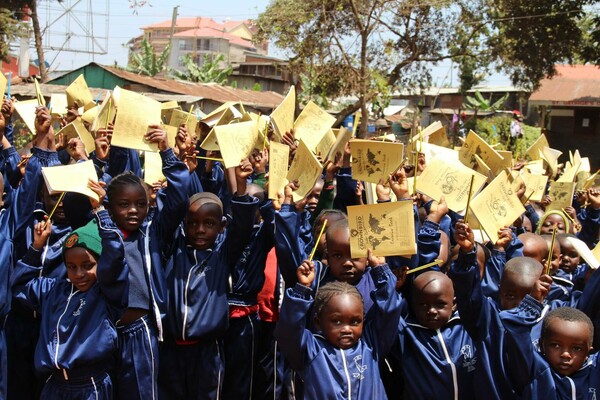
(329, 372)
(198, 279)
(437, 364)
(248, 276)
(19, 204)
(481, 318)
(542, 381)
(77, 332)
(156, 233)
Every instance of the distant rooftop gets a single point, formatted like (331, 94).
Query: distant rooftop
(573, 83)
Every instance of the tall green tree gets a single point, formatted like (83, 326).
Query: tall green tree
(212, 69)
(344, 45)
(147, 62)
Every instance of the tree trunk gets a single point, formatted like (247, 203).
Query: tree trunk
(37, 34)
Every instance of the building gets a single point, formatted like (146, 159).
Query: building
(12, 66)
(206, 96)
(204, 37)
(568, 107)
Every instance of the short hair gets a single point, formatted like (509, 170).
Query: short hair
(330, 290)
(531, 241)
(122, 180)
(206, 198)
(325, 213)
(525, 266)
(567, 314)
(562, 237)
(341, 224)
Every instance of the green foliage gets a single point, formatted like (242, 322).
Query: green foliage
(478, 102)
(146, 61)
(10, 30)
(496, 130)
(256, 87)
(211, 70)
(545, 33)
(590, 44)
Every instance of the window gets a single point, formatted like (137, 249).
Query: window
(182, 45)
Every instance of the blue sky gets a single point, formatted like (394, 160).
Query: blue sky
(124, 25)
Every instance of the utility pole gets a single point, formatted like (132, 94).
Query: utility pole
(173, 24)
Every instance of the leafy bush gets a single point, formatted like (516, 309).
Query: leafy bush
(496, 129)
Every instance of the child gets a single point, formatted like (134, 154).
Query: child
(143, 243)
(570, 267)
(247, 278)
(565, 367)
(341, 360)
(553, 218)
(480, 315)
(200, 259)
(77, 337)
(436, 354)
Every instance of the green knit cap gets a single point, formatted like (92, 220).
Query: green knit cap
(87, 237)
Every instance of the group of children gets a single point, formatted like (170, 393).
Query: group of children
(203, 288)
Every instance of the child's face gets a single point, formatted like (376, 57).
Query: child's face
(341, 320)
(81, 268)
(433, 302)
(322, 245)
(129, 207)
(49, 204)
(202, 225)
(556, 257)
(549, 223)
(343, 267)
(569, 259)
(513, 289)
(313, 197)
(566, 345)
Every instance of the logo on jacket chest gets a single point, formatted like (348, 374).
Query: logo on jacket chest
(469, 360)
(77, 312)
(359, 367)
(592, 393)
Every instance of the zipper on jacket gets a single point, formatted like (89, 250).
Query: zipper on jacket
(187, 285)
(58, 325)
(573, 388)
(148, 258)
(452, 366)
(347, 375)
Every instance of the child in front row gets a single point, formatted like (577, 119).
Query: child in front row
(340, 361)
(78, 338)
(565, 367)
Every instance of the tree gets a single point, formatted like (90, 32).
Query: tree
(352, 47)
(211, 70)
(146, 61)
(344, 45)
(530, 37)
(10, 30)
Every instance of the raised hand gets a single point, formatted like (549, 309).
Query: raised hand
(306, 273)
(464, 237)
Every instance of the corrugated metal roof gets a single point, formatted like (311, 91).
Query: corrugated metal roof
(24, 89)
(210, 91)
(573, 83)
